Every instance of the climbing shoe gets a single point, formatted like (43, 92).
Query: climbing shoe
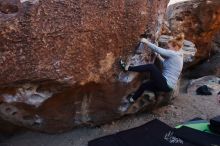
(130, 99)
(126, 103)
(123, 65)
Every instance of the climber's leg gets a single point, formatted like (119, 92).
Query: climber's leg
(160, 82)
(142, 68)
(145, 86)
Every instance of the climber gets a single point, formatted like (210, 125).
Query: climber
(166, 80)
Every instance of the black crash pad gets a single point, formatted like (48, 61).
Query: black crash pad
(197, 137)
(215, 124)
(154, 133)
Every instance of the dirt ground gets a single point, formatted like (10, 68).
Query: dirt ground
(183, 108)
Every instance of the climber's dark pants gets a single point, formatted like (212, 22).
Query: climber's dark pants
(157, 83)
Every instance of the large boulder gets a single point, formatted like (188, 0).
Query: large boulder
(216, 42)
(209, 67)
(199, 20)
(212, 82)
(58, 59)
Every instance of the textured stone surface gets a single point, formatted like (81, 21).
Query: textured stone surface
(211, 81)
(216, 42)
(209, 67)
(199, 20)
(58, 59)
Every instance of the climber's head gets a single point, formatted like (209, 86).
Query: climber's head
(176, 43)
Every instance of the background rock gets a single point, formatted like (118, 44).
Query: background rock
(58, 59)
(216, 42)
(199, 20)
(211, 81)
(209, 67)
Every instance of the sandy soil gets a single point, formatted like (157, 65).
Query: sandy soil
(183, 108)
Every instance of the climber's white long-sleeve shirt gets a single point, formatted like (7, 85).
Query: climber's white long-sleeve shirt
(172, 64)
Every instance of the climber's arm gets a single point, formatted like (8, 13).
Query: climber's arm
(160, 57)
(161, 51)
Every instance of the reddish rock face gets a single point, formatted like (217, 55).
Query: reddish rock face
(216, 42)
(58, 59)
(210, 66)
(199, 20)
